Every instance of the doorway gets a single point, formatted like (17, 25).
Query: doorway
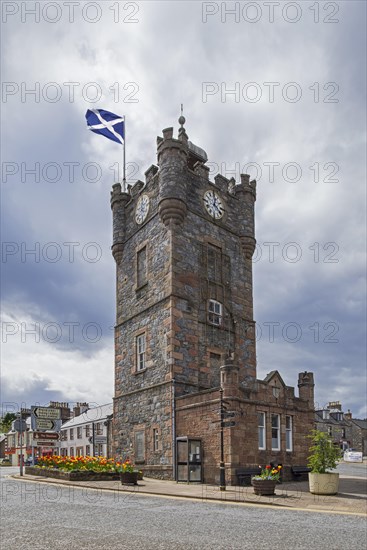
(189, 466)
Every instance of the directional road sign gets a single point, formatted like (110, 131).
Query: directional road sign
(229, 424)
(46, 412)
(229, 414)
(45, 424)
(45, 418)
(45, 435)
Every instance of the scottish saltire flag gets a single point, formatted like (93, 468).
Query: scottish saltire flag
(107, 124)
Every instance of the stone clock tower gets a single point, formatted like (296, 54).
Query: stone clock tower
(183, 248)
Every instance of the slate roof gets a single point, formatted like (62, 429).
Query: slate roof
(97, 414)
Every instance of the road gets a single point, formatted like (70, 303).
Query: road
(43, 516)
(353, 469)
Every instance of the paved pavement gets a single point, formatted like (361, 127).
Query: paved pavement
(351, 499)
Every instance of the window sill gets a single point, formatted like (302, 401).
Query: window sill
(140, 371)
(141, 287)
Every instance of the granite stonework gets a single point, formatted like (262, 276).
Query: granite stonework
(192, 258)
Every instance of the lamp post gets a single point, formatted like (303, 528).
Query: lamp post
(222, 472)
(21, 444)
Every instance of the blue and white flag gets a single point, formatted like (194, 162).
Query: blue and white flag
(107, 124)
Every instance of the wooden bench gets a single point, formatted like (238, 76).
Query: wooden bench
(244, 475)
(300, 472)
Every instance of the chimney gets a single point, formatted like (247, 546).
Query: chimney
(348, 415)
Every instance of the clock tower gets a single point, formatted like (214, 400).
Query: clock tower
(184, 332)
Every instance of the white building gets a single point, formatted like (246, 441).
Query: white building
(87, 434)
(30, 446)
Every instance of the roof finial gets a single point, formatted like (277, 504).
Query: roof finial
(182, 119)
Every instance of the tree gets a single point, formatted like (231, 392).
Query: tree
(6, 421)
(324, 454)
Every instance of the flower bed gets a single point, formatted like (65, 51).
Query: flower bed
(81, 475)
(80, 468)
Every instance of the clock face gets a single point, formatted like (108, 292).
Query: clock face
(142, 209)
(213, 204)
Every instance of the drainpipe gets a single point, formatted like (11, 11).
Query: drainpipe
(173, 404)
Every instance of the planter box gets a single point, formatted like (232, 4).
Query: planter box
(323, 484)
(84, 475)
(264, 487)
(129, 478)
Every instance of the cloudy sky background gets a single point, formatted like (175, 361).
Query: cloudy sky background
(144, 59)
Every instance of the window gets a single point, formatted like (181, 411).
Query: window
(71, 451)
(155, 439)
(140, 352)
(141, 267)
(215, 313)
(214, 263)
(139, 446)
(288, 434)
(79, 432)
(98, 449)
(87, 431)
(71, 433)
(262, 431)
(79, 451)
(343, 433)
(275, 432)
(64, 435)
(87, 450)
(99, 428)
(330, 430)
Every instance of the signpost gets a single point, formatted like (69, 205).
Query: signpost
(45, 424)
(229, 424)
(224, 413)
(45, 418)
(45, 435)
(20, 425)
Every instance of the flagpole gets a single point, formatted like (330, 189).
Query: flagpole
(123, 166)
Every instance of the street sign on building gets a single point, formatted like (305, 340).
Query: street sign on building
(98, 440)
(101, 440)
(44, 443)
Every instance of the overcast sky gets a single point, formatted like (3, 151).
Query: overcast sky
(275, 89)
